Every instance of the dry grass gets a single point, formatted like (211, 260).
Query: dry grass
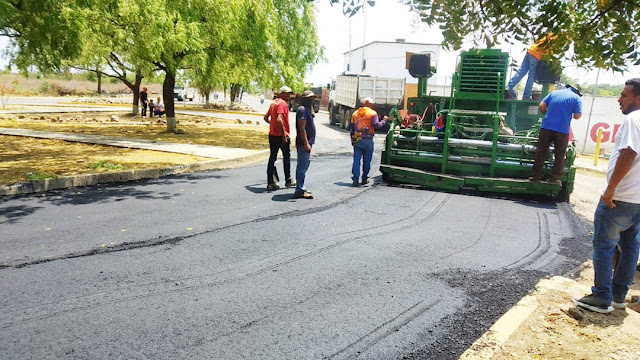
(23, 158)
(198, 130)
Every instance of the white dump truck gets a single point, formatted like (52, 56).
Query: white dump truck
(349, 91)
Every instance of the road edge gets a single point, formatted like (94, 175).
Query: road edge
(73, 181)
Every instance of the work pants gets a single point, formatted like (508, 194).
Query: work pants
(362, 150)
(560, 142)
(304, 159)
(612, 227)
(275, 144)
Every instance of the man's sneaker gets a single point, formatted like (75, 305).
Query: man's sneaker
(534, 179)
(272, 187)
(592, 303)
(304, 195)
(355, 183)
(290, 183)
(365, 181)
(618, 303)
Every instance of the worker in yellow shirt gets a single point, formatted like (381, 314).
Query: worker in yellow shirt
(529, 65)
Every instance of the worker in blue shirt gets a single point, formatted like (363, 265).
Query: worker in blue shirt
(558, 108)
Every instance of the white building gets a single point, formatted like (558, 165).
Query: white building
(387, 59)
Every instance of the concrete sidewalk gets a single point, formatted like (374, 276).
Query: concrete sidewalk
(585, 162)
(214, 152)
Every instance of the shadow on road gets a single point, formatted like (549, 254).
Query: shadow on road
(14, 213)
(254, 188)
(283, 197)
(16, 207)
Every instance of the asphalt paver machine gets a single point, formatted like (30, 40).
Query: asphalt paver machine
(474, 139)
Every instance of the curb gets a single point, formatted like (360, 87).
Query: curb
(73, 181)
(590, 169)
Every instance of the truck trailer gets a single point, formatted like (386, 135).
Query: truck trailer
(349, 91)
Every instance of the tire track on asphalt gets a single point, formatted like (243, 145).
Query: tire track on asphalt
(261, 268)
(484, 228)
(394, 324)
(542, 248)
(177, 239)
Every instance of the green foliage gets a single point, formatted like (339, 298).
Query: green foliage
(106, 165)
(606, 90)
(601, 33)
(40, 175)
(43, 32)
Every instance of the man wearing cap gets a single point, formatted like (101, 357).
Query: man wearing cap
(363, 124)
(558, 108)
(617, 218)
(279, 139)
(305, 138)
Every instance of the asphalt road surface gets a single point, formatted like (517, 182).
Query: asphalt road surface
(211, 266)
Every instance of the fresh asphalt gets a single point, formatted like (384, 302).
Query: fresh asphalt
(211, 266)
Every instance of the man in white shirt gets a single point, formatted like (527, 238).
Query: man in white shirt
(617, 218)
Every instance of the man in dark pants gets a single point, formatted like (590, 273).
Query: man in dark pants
(145, 101)
(279, 139)
(558, 108)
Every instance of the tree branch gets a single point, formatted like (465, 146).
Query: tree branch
(605, 11)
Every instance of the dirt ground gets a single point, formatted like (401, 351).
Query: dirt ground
(197, 129)
(556, 329)
(23, 158)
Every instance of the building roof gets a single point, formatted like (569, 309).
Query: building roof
(390, 42)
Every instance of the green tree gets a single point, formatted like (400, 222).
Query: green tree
(42, 32)
(603, 32)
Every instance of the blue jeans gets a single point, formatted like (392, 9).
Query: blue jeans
(620, 225)
(363, 149)
(304, 159)
(529, 65)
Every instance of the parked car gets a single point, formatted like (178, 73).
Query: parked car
(186, 93)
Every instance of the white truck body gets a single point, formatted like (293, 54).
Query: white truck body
(348, 93)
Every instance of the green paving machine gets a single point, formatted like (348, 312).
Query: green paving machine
(474, 139)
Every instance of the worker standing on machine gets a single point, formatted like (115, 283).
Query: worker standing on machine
(363, 124)
(529, 65)
(558, 108)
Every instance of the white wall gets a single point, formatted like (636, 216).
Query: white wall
(387, 59)
(606, 115)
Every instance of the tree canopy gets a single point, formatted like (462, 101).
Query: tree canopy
(601, 33)
(270, 42)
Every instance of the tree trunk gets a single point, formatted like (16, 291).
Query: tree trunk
(99, 74)
(206, 100)
(167, 95)
(136, 93)
(235, 91)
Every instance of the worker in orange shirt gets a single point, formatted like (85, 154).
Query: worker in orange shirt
(529, 65)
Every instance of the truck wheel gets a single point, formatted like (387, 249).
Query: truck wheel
(332, 115)
(346, 119)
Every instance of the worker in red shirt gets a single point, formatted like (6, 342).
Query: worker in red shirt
(279, 138)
